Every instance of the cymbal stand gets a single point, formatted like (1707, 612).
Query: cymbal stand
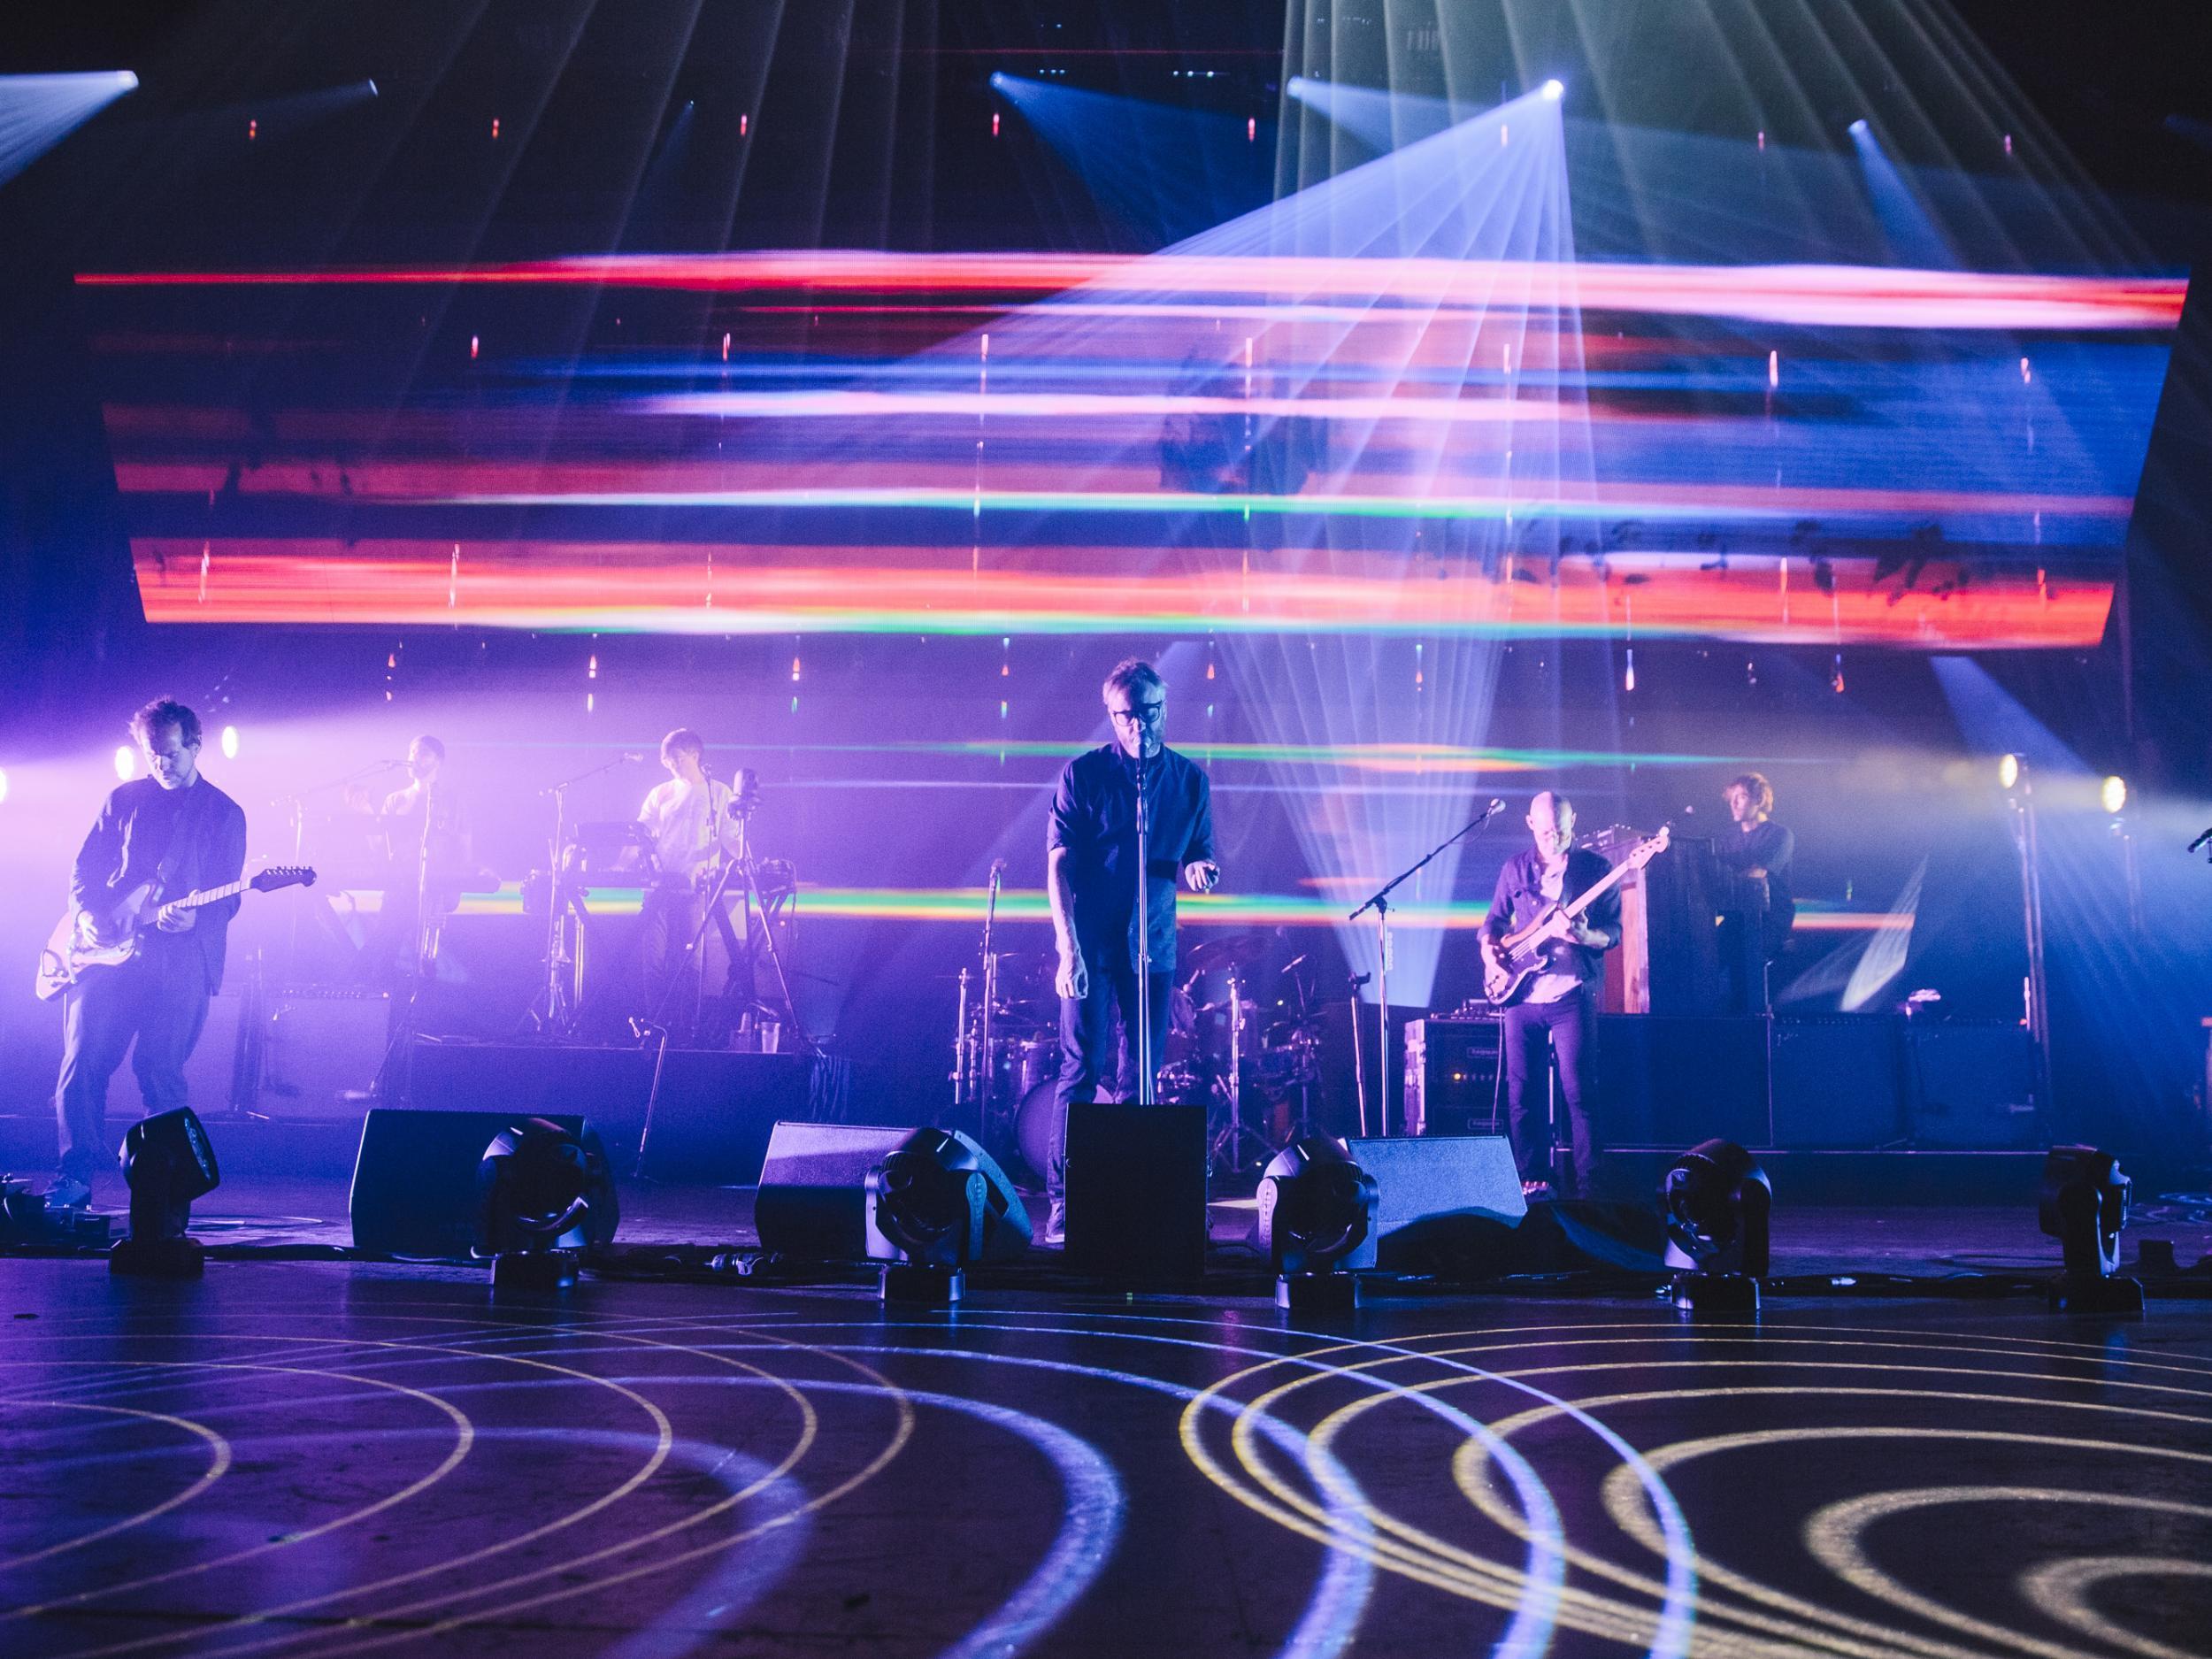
(1227, 1153)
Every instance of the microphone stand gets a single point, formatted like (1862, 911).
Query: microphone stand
(1379, 901)
(1147, 1085)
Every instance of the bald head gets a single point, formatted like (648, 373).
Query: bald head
(1551, 821)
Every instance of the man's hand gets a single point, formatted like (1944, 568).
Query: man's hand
(1589, 937)
(171, 921)
(1073, 979)
(1200, 874)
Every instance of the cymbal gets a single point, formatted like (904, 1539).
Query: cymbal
(1237, 950)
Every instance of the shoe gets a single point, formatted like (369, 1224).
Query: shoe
(68, 1193)
(1057, 1222)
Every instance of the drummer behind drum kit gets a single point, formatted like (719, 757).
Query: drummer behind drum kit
(1255, 1075)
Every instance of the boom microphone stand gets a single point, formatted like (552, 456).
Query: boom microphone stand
(1379, 901)
(1148, 1084)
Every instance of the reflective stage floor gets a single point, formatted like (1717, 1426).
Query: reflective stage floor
(324, 1458)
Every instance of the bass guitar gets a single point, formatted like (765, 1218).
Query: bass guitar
(83, 939)
(1511, 965)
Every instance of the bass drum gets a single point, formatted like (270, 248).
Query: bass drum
(1037, 1127)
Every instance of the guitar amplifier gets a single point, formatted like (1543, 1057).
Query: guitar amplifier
(1451, 1074)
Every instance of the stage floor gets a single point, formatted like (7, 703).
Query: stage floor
(322, 1458)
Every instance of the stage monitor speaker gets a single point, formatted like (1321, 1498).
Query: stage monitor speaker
(1137, 1191)
(414, 1185)
(1972, 1086)
(1836, 1082)
(323, 1049)
(1436, 1185)
(813, 1199)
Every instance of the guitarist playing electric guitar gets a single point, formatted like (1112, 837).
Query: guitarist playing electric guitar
(172, 832)
(1558, 1001)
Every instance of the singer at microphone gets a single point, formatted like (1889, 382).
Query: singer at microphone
(689, 820)
(1091, 880)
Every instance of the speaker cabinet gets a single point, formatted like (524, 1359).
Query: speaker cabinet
(1137, 1191)
(813, 1199)
(414, 1184)
(321, 1051)
(1972, 1086)
(1836, 1082)
(1672, 1082)
(1451, 1076)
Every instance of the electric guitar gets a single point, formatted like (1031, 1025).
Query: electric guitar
(83, 939)
(1512, 963)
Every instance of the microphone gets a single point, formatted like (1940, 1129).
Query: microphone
(2199, 841)
(998, 868)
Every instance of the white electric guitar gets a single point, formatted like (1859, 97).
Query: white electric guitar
(84, 938)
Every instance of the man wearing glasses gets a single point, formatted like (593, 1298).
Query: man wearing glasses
(1090, 872)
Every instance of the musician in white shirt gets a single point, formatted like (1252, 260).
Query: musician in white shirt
(688, 818)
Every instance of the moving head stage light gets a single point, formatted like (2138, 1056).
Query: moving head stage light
(1317, 1223)
(940, 1202)
(2084, 1206)
(543, 1195)
(168, 1161)
(1716, 1200)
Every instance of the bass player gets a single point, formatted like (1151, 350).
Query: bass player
(177, 831)
(1561, 1005)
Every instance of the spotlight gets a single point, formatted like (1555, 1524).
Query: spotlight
(542, 1195)
(2008, 772)
(2113, 795)
(942, 1202)
(1858, 128)
(126, 762)
(1715, 1201)
(1552, 91)
(1317, 1223)
(169, 1161)
(230, 743)
(2084, 1206)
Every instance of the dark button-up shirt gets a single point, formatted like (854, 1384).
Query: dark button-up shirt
(1519, 900)
(184, 840)
(1094, 817)
(1767, 847)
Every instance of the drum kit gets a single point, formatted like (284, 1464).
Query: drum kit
(1255, 1072)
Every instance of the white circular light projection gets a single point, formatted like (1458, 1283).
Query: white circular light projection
(230, 743)
(126, 762)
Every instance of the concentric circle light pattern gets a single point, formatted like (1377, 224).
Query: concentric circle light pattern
(286, 1462)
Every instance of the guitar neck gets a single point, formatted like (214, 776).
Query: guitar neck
(200, 897)
(1597, 889)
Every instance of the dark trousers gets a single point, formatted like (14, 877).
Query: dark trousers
(1098, 1040)
(670, 920)
(1571, 1028)
(159, 997)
